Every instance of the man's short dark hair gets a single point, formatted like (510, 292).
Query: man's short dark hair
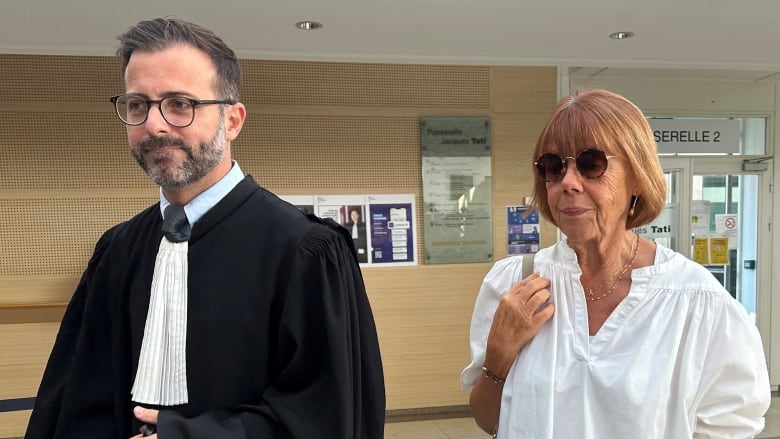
(161, 33)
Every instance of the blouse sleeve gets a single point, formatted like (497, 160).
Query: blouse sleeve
(734, 389)
(496, 283)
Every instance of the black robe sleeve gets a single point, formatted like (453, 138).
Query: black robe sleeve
(328, 380)
(75, 398)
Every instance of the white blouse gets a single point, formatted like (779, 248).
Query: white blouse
(678, 357)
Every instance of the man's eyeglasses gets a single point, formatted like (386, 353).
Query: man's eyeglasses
(591, 163)
(178, 111)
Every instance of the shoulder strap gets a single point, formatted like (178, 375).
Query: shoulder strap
(528, 265)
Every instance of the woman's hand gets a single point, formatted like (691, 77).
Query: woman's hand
(520, 314)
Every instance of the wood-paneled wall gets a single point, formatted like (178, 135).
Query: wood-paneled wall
(312, 128)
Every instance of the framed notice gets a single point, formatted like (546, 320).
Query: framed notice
(456, 174)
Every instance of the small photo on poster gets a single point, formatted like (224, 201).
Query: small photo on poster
(356, 225)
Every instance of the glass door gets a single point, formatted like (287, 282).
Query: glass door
(726, 238)
(713, 215)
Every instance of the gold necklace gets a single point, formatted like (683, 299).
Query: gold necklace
(591, 296)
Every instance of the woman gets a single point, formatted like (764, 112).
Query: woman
(614, 336)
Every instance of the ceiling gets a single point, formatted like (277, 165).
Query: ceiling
(739, 37)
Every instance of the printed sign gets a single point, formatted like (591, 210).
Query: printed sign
(695, 136)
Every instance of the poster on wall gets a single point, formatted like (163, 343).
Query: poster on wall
(382, 227)
(392, 229)
(350, 212)
(457, 200)
(523, 232)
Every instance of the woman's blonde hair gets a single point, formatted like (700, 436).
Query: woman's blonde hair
(601, 119)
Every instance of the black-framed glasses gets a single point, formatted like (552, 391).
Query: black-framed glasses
(178, 111)
(591, 163)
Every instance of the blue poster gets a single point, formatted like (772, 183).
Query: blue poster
(522, 230)
(392, 240)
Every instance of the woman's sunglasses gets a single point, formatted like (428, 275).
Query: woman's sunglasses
(591, 163)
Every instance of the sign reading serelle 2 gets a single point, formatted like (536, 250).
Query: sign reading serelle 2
(696, 136)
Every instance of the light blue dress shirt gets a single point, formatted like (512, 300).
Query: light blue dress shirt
(208, 198)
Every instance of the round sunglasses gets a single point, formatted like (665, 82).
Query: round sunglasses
(591, 163)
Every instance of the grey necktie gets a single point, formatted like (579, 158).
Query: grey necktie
(175, 226)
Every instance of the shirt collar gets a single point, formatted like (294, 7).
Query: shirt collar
(208, 198)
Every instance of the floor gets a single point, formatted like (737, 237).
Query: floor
(772, 427)
(453, 428)
(465, 428)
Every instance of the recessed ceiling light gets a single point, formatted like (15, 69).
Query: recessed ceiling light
(621, 35)
(308, 25)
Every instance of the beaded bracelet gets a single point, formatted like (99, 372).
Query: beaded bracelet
(490, 375)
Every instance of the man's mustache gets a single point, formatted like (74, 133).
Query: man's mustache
(152, 143)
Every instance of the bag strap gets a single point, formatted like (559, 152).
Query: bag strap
(528, 265)
(526, 268)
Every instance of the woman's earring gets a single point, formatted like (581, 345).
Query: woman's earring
(632, 211)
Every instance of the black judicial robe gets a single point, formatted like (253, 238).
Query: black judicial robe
(281, 341)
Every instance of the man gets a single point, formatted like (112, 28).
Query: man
(247, 320)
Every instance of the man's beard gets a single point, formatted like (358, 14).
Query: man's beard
(199, 162)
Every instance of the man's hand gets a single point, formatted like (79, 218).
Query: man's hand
(147, 416)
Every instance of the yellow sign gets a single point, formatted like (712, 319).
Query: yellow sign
(719, 251)
(701, 251)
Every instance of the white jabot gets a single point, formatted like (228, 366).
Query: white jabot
(161, 378)
(355, 234)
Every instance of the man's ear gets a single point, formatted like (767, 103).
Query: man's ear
(234, 120)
